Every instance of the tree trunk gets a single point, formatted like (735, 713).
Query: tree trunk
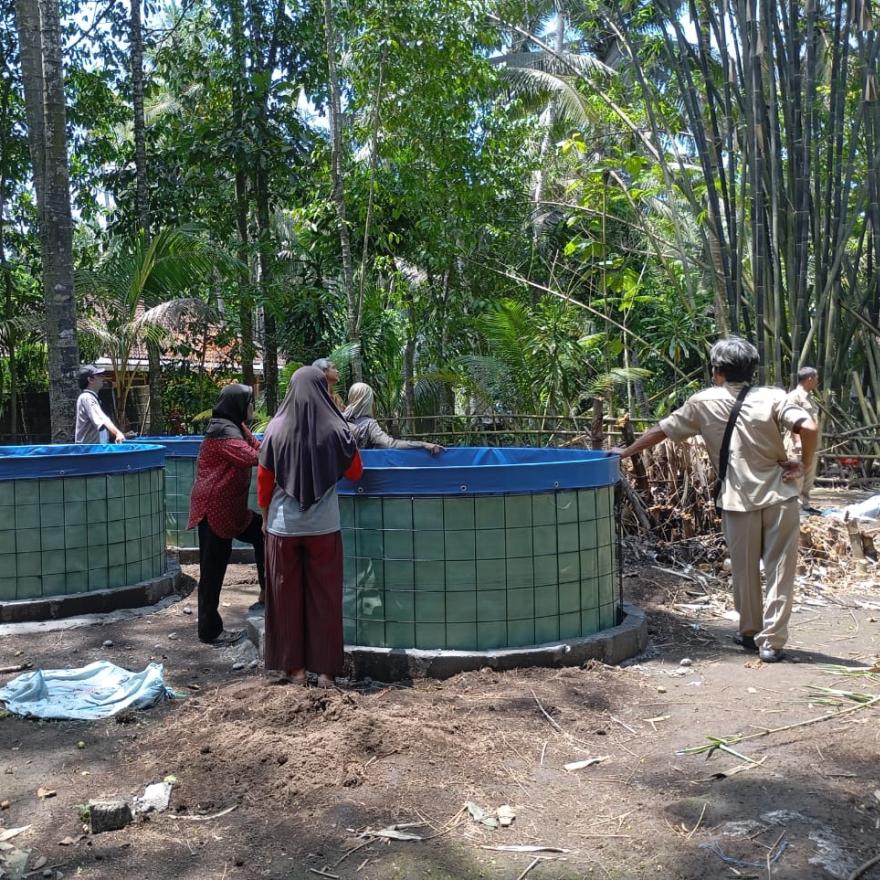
(270, 333)
(8, 287)
(597, 429)
(246, 301)
(245, 298)
(374, 165)
(409, 365)
(338, 191)
(137, 102)
(39, 30)
(142, 205)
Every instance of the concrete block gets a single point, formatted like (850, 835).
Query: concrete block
(108, 815)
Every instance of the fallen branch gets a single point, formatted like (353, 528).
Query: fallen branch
(43, 868)
(718, 742)
(340, 860)
(636, 504)
(524, 848)
(693, 830)
(865, 867)
(556, 727)
(532, 864)
(207, 818)
(724, 774)
(21, 667)
(323, 873)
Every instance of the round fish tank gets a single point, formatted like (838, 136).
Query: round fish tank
(479, 548)
(181, 453)
(78, 519)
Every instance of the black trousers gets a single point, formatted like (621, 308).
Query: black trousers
(214, 554)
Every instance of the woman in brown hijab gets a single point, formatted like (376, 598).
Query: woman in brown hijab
(307, 448)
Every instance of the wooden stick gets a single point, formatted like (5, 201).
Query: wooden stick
(339, 861)
(531, 865)
(323, 873)
(699, 821)
(635, 502)
(4, 670)
(546, 714)
(207, 818)
(738, 738)
(865, 867)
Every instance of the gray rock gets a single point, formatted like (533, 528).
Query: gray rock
(238, 665)
(685, 661)
(107, 643)
(108, 815)
(155, 798)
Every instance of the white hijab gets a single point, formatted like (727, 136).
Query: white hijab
(360, 402)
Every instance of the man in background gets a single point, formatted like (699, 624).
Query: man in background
(331, 374)
(759, 495)
(91, 420)
(802, 396)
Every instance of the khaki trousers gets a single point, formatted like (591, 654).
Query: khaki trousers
(770, 534)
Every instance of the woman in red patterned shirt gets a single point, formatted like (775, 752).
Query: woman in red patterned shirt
(218, 505)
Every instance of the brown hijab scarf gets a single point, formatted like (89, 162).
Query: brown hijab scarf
(307, 445)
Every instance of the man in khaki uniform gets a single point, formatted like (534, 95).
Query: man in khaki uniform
(801, 396)
(760, 515)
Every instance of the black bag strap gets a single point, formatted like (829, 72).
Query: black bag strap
(724, 457)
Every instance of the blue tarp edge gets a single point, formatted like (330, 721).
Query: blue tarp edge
(78, 460)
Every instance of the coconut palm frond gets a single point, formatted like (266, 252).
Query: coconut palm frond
(164, 104)
(537, 83)
(111, 339)
(565, 63)
(591, 341)
(430, 390)
(168, 315)
(614, 377)
(20, 326)
(344, 353)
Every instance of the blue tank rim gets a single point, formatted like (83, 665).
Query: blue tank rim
(180, 445)
(47, 461)
(481, 470)
(461, 470)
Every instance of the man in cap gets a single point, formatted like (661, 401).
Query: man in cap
(91, 420)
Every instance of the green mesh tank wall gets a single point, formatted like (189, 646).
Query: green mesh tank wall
(74, 534)
(180, 475)
(478, 573)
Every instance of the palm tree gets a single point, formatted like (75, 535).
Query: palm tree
(542, 359)
(136, 295)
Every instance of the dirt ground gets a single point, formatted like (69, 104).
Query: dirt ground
(307, 772)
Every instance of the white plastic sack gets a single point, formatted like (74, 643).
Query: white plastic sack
(867, 509)
(98, 690)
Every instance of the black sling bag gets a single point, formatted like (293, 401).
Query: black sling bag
(725, 445)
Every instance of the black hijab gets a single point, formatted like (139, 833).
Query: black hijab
(230, 413)
(308, 444)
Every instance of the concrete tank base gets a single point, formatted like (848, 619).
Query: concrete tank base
(611, 646)
(137, 595)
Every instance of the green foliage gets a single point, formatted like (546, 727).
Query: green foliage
(529, 226)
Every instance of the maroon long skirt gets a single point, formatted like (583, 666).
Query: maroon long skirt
(304, 603)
